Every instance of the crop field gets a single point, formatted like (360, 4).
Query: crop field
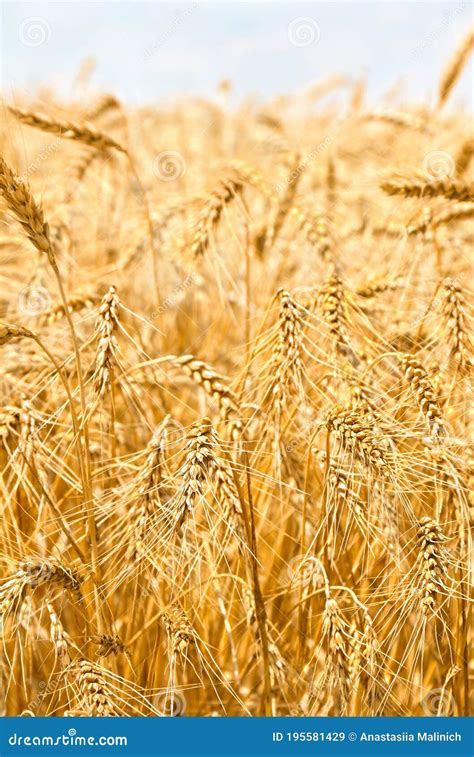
(236, 407)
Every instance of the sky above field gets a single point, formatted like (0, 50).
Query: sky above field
(149, 51)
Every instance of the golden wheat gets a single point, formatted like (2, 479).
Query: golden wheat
(237, 475)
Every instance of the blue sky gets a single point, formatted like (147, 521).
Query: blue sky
(150, 51)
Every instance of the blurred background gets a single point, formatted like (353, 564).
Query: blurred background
(148, 51)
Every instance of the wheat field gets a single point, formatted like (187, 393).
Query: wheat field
(236, 404)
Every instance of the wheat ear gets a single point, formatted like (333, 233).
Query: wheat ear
(454, 68)
(65, 129)
(413, 186)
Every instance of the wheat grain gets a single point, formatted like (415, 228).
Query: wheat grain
(179, 630)
(96, 697)
(430, 564)
(413, 186)
(357, 432)
(18, 198)
(425, 395)
(454, 315)
(107, 324)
